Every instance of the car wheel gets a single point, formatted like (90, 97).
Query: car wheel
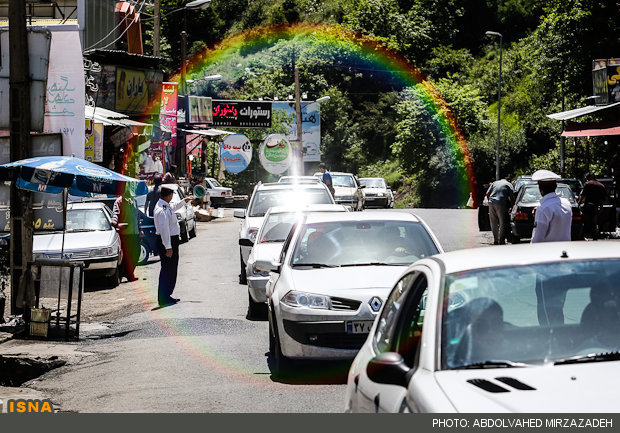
(115, 279)
(144, 254)
(184, 235)
(278, 361)
(256, 310)
(192, 232)
(242, 277)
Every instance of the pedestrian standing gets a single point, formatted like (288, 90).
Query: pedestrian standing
(126, 220)
(591, 200)
(168, 231)
(152, 197)
(171, 175)
(554, 216)
(500, 195)
(327, 178)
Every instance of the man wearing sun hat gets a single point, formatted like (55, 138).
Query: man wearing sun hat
(554, 216)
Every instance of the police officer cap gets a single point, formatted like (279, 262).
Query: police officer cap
(544, 176)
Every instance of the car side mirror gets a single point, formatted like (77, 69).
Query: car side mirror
(362, 186)
(245, 242)
(239, 213)
(349, 208)
(388, 368)
(267, 266)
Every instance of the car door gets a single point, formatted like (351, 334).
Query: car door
(399, 329)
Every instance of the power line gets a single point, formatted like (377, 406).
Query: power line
(113, 30)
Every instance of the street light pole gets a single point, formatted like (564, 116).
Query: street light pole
(156, 28)
(299, 160)
(499, 102)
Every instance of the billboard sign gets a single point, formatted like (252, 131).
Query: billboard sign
(311, 127)
(168, 111)
(275, 154)
(236, 153)
(606, 81)
(241, 114)
(199, 110)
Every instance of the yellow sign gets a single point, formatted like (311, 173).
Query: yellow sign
(28, 406)
(132, 94)
(89, 142)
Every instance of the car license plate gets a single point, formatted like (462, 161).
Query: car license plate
(359, 326)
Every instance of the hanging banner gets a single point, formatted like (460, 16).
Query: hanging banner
(168, 111)
(98, 142)
(242, 114)
(275, 154)
(64, 104)
(89, 139)
(236, 153)
(310, 124)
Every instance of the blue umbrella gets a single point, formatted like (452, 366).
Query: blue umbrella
(82, 178)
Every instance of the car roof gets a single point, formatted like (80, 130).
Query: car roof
(308, 208)
(365, 178)
(361, 216)
(523, 254)
(285, 185)
(86, 205)
(342, 173)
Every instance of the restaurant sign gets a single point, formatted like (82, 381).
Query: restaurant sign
(241, 114)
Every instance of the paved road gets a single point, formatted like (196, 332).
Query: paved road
(203, 354)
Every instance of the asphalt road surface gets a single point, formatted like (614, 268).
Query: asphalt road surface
(203, 354)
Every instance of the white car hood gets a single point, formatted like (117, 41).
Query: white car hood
(339, 281)
(73, 241)
(267, 251)
(344, 190)
(588, 387)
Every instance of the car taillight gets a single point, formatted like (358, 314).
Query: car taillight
(224, 193)
(521, 216)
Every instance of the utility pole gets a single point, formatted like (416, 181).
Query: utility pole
(156, 28)
(299, 154)
(562, 139)
(19, 107)
(181, 137)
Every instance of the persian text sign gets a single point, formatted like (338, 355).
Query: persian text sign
(241, 114)
(131, 91)
(311, 127)
(168, 111)
(236, 153)
(275, 154)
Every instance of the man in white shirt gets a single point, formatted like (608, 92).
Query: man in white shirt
(554, 215)
(168, 231)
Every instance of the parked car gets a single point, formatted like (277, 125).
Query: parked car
(265, 196)
(607, 220)
(528, 198)
(148, 242)
(298, 179)
(376, 192)
(502, 329)
(89, 237)
(218, 195)
(333, 274)
(273, 232)
(347, 188)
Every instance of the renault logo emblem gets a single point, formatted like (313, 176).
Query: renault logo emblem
(375, 303)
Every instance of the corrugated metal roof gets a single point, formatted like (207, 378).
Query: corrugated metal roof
(571, 114)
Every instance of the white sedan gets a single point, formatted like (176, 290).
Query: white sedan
(333, 275)
(275, 229)
(520, 328)
(89, 238)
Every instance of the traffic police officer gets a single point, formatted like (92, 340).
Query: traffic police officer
(168, 231)
(554, 216)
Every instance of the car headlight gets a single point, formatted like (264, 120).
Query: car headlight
(344, 197)
(179, 216)
(252, 232)
(103, 252)
(380, 194)
(308, 300)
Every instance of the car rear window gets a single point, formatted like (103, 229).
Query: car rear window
(262, 201)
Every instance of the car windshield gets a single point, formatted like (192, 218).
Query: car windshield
(373, 183)
(535, 314)
(531, 194)
(79, 220)
(277, 227)
(520, 182)
(266, 199)
(343, 180)
(359, 243)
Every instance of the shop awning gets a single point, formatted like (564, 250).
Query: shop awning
(207, 132)
(586, 129)
(112, 118)
(571, 114)
(138, 128)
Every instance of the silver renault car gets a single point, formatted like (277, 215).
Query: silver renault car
(332, 277)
